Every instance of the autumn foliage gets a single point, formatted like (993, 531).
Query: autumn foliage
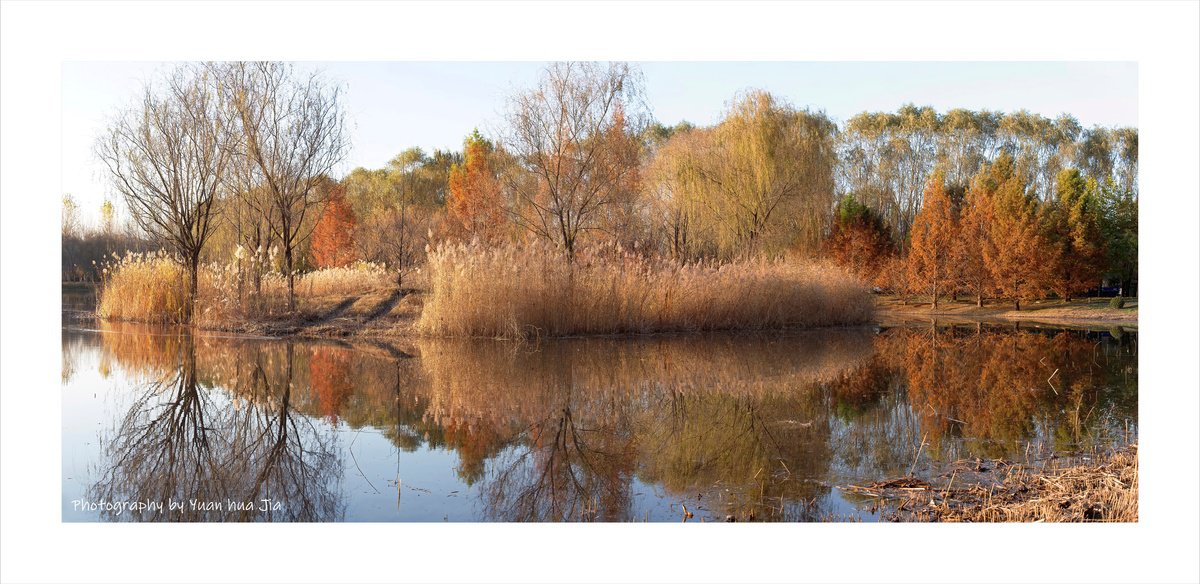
(474, 200)
(330, 379)
(860, 241)
(1019, 256)
(996, 239)
(1074, 228)
(934, 231)
(332, 238)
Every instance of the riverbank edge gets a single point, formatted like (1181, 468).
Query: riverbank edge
(1058, 489)
(386, 315)
(1078, 314)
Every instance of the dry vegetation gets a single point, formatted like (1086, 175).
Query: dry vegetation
(532, 291)
(148, 287)
(1104, 489)
(153, 288)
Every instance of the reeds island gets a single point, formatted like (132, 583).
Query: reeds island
(535, 290)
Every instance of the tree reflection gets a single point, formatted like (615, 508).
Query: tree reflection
(219, 454)
(754, 426)
(993, 391)
(574, 422)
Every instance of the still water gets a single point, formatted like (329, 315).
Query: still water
(159, 425)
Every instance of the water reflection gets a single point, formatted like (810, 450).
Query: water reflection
(750, 426)
(242, 455)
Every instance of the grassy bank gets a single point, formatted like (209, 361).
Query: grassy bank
(1101, 488)
(532, 291)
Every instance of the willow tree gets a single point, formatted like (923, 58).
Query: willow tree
(291, 133)
(763, 177)
(167, 156)
(570, 136)
(675, 215)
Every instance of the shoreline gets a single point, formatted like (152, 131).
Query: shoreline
(1101, 487)
(1083, 313)
(391, 314)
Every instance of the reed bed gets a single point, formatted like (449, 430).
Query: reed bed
(148, 287)
(520, 292)
(356, 278)
(153, 287)
(506, 384)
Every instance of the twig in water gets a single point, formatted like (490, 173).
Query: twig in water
(917, 457)
(355, 459)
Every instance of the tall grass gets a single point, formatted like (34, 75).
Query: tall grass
(152, 287)
(531, 291)
(352, 279)
(148, 287)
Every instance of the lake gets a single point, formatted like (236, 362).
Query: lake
(161, 425)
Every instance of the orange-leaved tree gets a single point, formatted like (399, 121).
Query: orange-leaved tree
(475, 200)
(1020, 255)
(934, 233)
(974, 237)
(332, 239)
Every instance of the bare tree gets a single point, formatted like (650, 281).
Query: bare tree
(396, 236)
(571, 138)
(166, 156)
(291, 134)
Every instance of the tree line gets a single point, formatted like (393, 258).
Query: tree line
(996, 237)
(218, 158)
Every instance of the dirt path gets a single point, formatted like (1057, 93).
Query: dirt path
(386, 305)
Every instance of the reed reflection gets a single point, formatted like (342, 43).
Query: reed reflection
(576, 421)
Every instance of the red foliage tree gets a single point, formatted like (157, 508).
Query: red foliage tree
(333, 242)
(860, 241)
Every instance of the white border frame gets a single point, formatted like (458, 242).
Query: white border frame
(1161, 37)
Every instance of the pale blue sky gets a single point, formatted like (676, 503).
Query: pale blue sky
(394, 105)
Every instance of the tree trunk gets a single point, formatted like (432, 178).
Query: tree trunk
(935, 296)
(291, 278)
(1017, 303)
(979, 301)
(193, 286)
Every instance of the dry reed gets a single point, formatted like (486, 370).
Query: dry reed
(152, 287)
(1101, 489)
(356, 278)
(148, 287)
(533, 291)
